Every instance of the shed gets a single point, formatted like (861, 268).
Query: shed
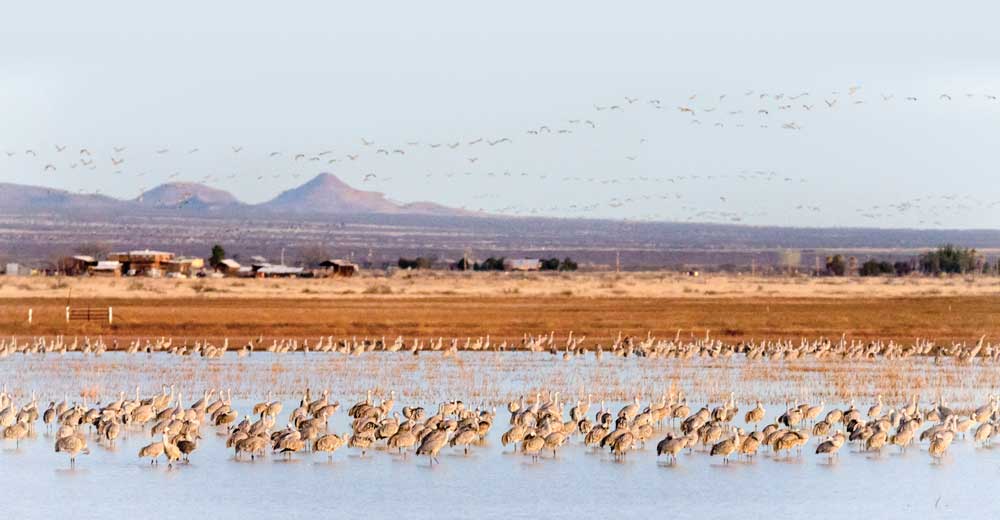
(76, 265)
(228, 267)
(106, 268)
(279, 271)
(337, 267)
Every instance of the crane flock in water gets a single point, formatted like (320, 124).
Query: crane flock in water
(537, 427)
(568, 347)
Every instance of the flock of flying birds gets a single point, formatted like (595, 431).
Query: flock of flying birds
(759, 109)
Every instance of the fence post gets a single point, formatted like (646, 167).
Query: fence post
(111, 316)
(31, 312)
(67, 314)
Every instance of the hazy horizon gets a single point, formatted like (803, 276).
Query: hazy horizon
(179, 88)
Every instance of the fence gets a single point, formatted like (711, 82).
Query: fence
(90, 314)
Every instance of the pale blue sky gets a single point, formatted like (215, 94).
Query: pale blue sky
(309, 77)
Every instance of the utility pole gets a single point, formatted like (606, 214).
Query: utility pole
(816, 268)
(753, 266)
(618, 261)
(282, 256)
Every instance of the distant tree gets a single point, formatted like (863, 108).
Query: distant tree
(876, 268)
(568, 265)
(460, 265)
(869, 268)
(948, 259)
(419, 262)
(492, 264)
(902, 268)
(311, 256)
(835, 265)
(550, 264)
(218, 255)
(97, 250)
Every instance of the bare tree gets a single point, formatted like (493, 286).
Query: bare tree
(97, 250)
(311, 256)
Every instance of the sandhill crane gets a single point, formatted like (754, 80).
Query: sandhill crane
(465, 437)
(187, 446)
(532, 445)
(171, 451)
(432, 444)
(254, 445)
(329, 443)
(876, 410)
(829, 447)
(72, 444)
(727, 447)
(151, 451)
(984, 433)
(755, 415)
(671, 446)
(621, 444)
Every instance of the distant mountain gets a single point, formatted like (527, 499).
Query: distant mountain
(187, 194)
(326, 194)
(26, 199)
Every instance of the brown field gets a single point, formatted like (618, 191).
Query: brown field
(505, 306)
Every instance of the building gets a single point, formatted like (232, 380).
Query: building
(279, 271)
(228, 267)
(184, 266)
(142, 263)
(522, 264)
(77, 265)
(110, 268)
(14, 269)
(336, 267)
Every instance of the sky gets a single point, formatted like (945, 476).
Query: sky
(793, 114)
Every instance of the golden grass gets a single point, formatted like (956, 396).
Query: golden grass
(506, 307)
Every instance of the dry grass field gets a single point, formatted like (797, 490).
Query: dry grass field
(506, 306)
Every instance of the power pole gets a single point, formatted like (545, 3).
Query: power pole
(753, 266)
(618, 261)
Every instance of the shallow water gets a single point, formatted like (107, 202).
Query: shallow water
(490, 482)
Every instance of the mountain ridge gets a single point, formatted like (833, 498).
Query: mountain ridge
(324, 194)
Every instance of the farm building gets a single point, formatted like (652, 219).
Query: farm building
(228, 267)
(14, 269)
(184, 266)
(111, 268)
(77, 265)
(279, 271)
(522, 264)
(142, 263)
(336, 267)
